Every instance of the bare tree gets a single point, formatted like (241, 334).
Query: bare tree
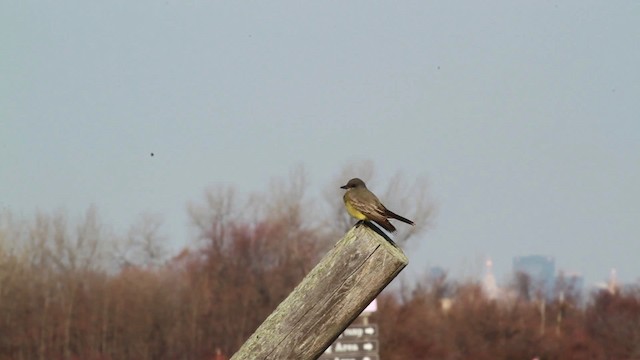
(413, 199)
(143, 245)
(211, 218)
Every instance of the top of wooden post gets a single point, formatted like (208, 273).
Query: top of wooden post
(328, 299)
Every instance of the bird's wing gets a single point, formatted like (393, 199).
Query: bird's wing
(368, 204)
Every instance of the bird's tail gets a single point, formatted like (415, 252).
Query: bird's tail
(386, 224)
(391, 214)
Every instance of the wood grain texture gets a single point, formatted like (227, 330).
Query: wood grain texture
(328, 299)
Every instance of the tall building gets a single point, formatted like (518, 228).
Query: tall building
(540, 271)
(489, 284)
(437, 273)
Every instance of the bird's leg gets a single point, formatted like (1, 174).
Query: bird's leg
(377, 230)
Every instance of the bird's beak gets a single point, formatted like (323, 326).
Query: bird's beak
(343, 187)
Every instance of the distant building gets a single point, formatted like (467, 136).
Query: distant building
(489, 284)
(611, 285)
(540, 271)
(437, 273)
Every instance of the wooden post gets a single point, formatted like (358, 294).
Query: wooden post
(328, 299)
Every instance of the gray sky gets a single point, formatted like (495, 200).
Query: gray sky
(523, 116)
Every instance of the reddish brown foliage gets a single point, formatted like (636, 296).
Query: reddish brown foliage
(474, 327)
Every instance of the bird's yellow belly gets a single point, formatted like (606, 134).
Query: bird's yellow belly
(354, 212)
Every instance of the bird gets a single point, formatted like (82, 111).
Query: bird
(362, 204)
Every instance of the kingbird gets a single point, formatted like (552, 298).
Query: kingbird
(362, 204)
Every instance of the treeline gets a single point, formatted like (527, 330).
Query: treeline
(76, 290)
(448, 320)
(83, 292)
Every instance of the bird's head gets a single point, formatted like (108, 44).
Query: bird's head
(354, 183)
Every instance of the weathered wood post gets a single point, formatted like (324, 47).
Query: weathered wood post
(328, 299)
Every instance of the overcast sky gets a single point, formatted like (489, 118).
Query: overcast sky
(523, 116)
